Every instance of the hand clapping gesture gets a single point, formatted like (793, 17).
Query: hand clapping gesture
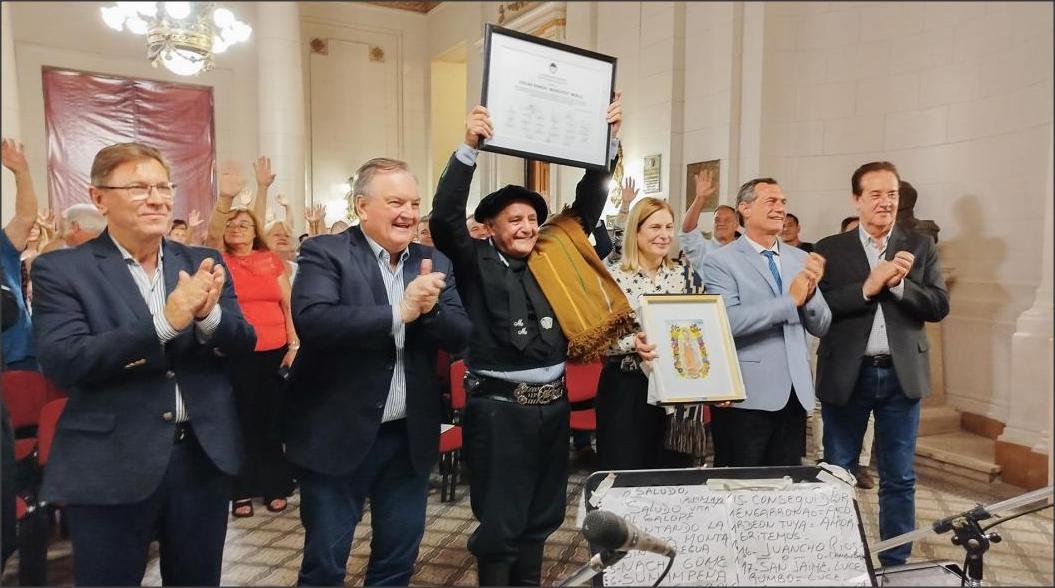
(422, 294)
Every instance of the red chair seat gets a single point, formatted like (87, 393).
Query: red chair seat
(49, 420)
(584, 420)
(24, 447)
(451, 439)
(20, 507)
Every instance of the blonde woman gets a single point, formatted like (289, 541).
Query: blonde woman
(261, 283)
(631, 432)
(280, 240)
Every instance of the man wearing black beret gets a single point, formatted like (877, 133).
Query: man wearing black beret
(530, 312)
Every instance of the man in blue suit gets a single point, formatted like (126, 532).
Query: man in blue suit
(770, 294)
(138, 330)
(363, 419)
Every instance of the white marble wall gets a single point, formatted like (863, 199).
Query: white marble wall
(959, 96)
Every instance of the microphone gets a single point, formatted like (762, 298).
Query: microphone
(611, 531)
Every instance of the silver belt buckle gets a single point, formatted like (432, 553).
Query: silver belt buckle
(521, 394)
(543, 394)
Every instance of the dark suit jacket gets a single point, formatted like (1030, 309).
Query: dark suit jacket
(925, 299)
(344, 369)
(97, 340)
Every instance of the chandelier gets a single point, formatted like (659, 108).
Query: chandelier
(182, 36)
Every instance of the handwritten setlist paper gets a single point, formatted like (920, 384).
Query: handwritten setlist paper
(806, 534)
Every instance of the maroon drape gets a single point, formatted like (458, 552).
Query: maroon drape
(84, 112)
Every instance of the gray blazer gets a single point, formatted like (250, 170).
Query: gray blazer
(769, 330)
(925, 299)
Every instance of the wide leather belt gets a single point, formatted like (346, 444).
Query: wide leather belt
(518, 392)
(879, 361)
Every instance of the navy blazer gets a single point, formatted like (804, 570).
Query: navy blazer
(344, 369)
(96, 339)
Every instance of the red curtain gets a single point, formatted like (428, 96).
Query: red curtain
(84, 112)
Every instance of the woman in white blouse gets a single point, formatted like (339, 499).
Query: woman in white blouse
(630, 432)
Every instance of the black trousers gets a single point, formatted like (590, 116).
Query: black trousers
(258, 394)
(759, 438)
(630, 431)
(518, 456)
(187, 513)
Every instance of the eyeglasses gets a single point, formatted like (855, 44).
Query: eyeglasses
(140, 192)
(243, 225)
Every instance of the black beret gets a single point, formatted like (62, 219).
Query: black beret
(493, 203)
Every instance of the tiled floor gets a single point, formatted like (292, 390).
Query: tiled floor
(265, 550)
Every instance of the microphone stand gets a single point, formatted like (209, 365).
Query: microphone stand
(597, 563)
(967, 533)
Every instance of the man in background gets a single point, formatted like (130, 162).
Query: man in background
(790, 233)
(80, 223)
(477, 230)
(693, 244)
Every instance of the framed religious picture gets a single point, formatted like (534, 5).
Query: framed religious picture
(690, 183)
(696, 354)
(548, 101)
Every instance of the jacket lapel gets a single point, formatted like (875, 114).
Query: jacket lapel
(897, 242)
(412, 266)
(759, 262)
(173, 261)
(364, 257)
(117, 275)
(856, 252)
(787, 273)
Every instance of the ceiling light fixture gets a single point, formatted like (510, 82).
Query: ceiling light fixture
(182, 36)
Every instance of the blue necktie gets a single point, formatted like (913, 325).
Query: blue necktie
(773, 269)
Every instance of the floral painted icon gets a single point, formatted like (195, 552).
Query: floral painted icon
(688, 349)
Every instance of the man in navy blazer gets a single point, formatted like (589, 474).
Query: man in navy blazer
(770, 293)
(138, 330)
(364, 413)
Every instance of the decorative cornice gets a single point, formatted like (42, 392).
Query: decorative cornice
(422, 7)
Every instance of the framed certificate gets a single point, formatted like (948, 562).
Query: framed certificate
(547, 100)
(696, 354)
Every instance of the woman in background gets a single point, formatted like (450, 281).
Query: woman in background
(260, 280)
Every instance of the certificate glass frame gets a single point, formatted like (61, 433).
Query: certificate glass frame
(547, 100)
(697, 359)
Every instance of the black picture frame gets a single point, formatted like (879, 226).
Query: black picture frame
(492, 29)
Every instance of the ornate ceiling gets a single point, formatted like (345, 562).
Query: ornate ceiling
(421, 7)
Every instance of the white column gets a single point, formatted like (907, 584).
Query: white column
(281, 107)
(9, 119)
(1031, 362)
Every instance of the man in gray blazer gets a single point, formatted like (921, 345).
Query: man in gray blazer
(884, 283)
(770, 294)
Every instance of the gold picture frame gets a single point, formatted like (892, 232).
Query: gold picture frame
(697, 359)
